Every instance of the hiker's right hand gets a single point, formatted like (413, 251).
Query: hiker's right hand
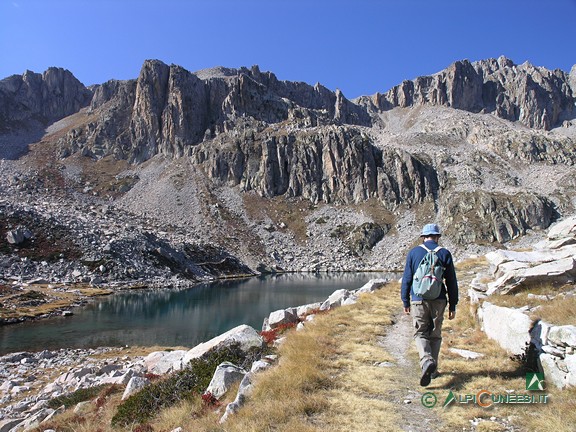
(406, 311)
(451, 315)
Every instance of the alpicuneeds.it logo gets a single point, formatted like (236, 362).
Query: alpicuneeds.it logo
(485, 398)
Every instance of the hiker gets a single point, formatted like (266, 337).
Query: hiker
(427, 315)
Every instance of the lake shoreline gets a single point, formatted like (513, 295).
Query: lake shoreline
(60, 299)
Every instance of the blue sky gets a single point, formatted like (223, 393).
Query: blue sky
(358, 46)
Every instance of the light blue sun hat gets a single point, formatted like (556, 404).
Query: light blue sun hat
(430, 229)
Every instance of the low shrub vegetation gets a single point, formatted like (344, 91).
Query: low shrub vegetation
(76, 397)
(187, 383)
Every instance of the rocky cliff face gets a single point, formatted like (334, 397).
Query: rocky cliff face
(335, 164)
(536, 97)
(35, 98)
(484, 217)
(168, 110)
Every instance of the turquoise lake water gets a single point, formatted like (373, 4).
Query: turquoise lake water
(176, 317)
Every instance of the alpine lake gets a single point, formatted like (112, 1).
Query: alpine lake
(177, 318)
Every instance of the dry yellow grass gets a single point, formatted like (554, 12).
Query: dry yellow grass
(558, 310)
(472, 264)
(499, 374)
(53, 298)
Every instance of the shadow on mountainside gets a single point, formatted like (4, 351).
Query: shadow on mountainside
(15, 145)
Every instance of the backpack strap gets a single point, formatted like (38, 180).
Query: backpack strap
(436, 249)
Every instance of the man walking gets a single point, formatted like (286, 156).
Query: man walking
(427, 315)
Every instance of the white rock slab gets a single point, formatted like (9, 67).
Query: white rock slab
(338, 298)
(225, 376)
(509, 327)
(562, 229)
(553, 368)
(135, 384)
(245, 335)
(280, 317)
(549, 272)
(563, 335)
(162, 362)
(307, 309)
(372, 285)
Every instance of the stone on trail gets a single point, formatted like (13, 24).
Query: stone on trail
(467, 354)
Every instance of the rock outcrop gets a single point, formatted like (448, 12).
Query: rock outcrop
(244, 128)
(536, 97)
(223, 155)
(40, 99)
(551, 261)
(169, 109)
(71, 244)
(487, 217)
(509, 327)
(335, 164)
(555, 348)
(549, 347)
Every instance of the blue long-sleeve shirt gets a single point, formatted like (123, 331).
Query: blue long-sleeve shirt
(450, 285)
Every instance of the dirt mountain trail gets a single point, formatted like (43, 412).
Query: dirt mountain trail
(407, 394)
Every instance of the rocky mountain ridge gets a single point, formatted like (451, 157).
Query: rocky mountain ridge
(289, 176)
(40, 98)
(534, 96)
(168, 110)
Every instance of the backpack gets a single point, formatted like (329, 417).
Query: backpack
(427, 280)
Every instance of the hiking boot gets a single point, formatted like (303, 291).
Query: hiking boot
(435, 374)
(427, 370)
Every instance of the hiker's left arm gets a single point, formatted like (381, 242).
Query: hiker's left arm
(406, 284)
(451, 284)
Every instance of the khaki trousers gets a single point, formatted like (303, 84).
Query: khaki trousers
(427, 317)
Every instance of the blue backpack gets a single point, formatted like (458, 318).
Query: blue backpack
(427, 280)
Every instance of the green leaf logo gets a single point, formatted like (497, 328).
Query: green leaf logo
(535, 381)
(449, 399)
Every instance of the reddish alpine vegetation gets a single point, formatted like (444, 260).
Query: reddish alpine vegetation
(209, 400)
(270, 336)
